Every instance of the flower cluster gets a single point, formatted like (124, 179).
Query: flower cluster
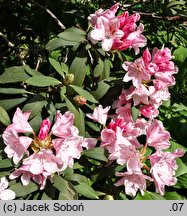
(116, 32)
(122, 137)
(43, 155)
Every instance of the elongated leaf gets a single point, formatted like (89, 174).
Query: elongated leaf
(135, 113)
(79, 68)
(73, 35)
(35, 104)
(30, 71)
(149, 196)
(66, 188)
(101, 90)
(55, 43)
(42, 81)
(4, 117)
(173, 196)
(57, 67)
(181, 182)
(93, 126)
(76, 177)
(13, 75)
(22, 191)
(97, 153)
(84, 93)
(6, 163)
(10, 103)
(98, 70)
(106, 71)
(13, 91)
(81, 123)
(72, 108)
(86, 190)
(182, 168)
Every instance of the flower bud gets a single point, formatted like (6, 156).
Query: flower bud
(44, 129)
(108, 197)
(80, 100)
(69, 79)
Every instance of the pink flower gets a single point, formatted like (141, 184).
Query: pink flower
(6, 194)
(63, 126)
(133, 181)
(163, 167)
(20, 122)
(132, 35)
(104, 16)
(67, 150)
(16, 146)
(44, 129)
(149, 111)
(39, 165)
(157, 136)
(139, 95)
(99, 115)
(116, 32)
(136, 72)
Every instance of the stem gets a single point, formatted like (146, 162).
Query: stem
(59, 23)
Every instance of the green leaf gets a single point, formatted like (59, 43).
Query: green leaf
(13, 75)
(173, 196)
(42, 81)
(4, 117)
(55, 43)
(93, 126)
(76, 177)
(57, 67)
(182, 168)
(22, 190)
(6, 163)
(98, 70)
(81, 123)
(101, 90)
(86, 190)
(181, 182)
(36, 122)
(8, 104)
(180, 54)
(14, 91)
(149, 196)
(84, 93)
(72, 108)
(97, 153)
(30, 71)
(79, 68)
(66, 188)
(35, 104)
(106, 73)
(45, 197)
(135, 113)
(73, 35)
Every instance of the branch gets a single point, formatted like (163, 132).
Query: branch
(59, 23)
(12, 46)
(170, 18)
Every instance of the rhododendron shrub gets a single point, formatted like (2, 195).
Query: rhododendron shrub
(87, 123)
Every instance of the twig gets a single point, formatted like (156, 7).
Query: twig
(170, 18)
(12, 46)
(59, 23)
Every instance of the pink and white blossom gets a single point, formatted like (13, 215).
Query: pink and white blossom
(133, 181)
(163, 167)
(6, 194)
(100, 114)
(157, 136)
